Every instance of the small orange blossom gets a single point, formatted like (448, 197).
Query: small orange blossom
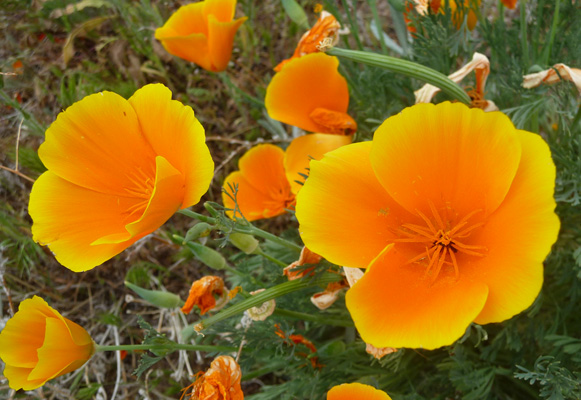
(202, 295)
(220, 382)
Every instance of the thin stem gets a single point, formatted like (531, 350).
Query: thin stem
(315, 318)
(199, 217)
(169, 346)
(269, 257)
(268, 294)
(373, 5)
(404, 67)
(252, 230)
(354, 26)
(523, 35)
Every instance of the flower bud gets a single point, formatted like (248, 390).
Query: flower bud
(244, 242)
(156, 297)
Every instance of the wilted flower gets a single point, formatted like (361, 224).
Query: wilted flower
(378, 353)
(326, 298)
(356, 391)
(307, 257)
(327, 27)
(269, 177)
(481, 67)
(458, 13)
(117, 170)
(553, 75)
(38, 344)
(263, 311)
(309, 92)
(220, 382)
(202, 33)
(451, 211)
(202, 295)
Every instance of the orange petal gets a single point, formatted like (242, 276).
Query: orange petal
(174, 133)
(519, 235)
(263, 190)
(221, 41)
(97, 143)
(446, 154)
(306, 148)
(396, 305)
(509, 3)
(18, 378)
(343, 207)
(356, 391)
(22, 335)
(69, 218)
(304, 84)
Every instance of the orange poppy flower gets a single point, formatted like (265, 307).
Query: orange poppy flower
(356, 391)
(117, 170)
(509, 3)
(309, 92)
(202, 33)
(202, 295)
(269, 177)
(327, 26)
(220, 382)
(38, 344)
(451, 211)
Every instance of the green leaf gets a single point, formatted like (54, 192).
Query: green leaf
(296, 13)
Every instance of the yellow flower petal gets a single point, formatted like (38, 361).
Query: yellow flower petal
(356, 391)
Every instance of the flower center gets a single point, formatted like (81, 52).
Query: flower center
(441, 239)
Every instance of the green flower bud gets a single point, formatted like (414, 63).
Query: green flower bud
(208, 256)
(199, 230)
(157, 297)
(244, 242)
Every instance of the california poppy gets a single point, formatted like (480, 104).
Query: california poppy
(451, 212)
(326, 27)
(38, 344)
(309, 92)
(202, 295)
(202, 33)
(220, 382)
(269, 178)
(356, 391)
(117, 170)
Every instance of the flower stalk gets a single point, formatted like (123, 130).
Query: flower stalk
(167, 346)
(404, 67)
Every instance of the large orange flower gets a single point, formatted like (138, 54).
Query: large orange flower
(269, 178)
(356, 391)
(117, 170)
(38, 344)
(309, 92)
(451, 211)
(202, 33)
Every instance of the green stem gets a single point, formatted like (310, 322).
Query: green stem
(354, 26)
(268, 294)
(549, 45)
(199, 217)
(523, 35)
(404, 67)
(315, 318)
(373, 5)
(170, 346)
(270, 258)
(263, 371)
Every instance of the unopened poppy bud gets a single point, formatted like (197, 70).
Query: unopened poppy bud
(157, 297)
(208, 256)
(199, 230)
(244, 242)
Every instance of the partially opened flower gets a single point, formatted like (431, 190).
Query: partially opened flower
(269, 178)
(451, 212)
(203, 294)
(117, 170)
(38, 344)
(220, 382)
(559, 72)
(309, 92)
(356, 391)
(202, 33)
(326, 27)
(481, 67)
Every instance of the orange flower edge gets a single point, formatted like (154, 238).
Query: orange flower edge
(202, 33)
(509, 3)
(220, 382)
(304, 85)
(451, 211)
(115, 175)
(326, 27)
(38, 344)
(356, 391)
(202, 295)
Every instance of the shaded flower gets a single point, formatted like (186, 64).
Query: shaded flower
(326, 26)
(309, 92)
(307, 257)
(481, 67)
(325, 299)
(220, 382)
(202, 295)
(553, 75)
(202, 33)
(378, 353)
(356, 391)
(38, 344)
(451, 211)
(269, 178)
(117, 170)
(263, 311)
